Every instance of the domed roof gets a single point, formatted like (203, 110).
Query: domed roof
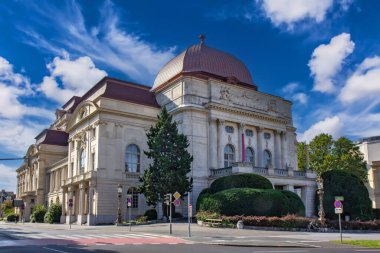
(201, 58)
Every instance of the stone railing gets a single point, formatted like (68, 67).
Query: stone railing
(260, 170)
(281, 172)
(132, 175)
(221, 172)
(298, 173)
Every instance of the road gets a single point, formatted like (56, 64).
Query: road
(155, 238)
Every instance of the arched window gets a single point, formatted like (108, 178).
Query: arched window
(229, 155)
(132, 158)
(82, 161)
(267, 158)
(135, 197)
(250, 155)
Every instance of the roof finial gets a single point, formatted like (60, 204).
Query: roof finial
(202, 38)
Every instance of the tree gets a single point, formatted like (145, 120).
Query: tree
(302, 156)
(347, 157)
(321, 159)
(171, 162)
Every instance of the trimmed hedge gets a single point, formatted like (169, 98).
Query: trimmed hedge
(240, 181)
(53, 215)
(295, 203)
(12, 217)
(38, 214)
(356, 202)
(376, 213)
(248, 201)
(151, 214)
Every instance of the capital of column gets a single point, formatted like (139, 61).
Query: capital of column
(241, 126)
(259, 129)
(91, 183)
(221, 122)
(81, 186)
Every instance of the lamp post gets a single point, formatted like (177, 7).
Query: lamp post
(320, 192)
(118, 217)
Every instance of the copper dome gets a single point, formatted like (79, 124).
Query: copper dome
(201, 58)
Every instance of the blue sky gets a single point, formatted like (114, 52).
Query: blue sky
(323, 55)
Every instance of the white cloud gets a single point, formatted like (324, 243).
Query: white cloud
(290, 87)
(291, 91)
(330, 125)
(77, 76)
(364, 84)
(107, 44)
(327, 59)
(301, 98)
(8, 180)
(289, 12)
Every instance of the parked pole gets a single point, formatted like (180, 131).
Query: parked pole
(340, 228)
(70, 217)
(130, 211)
(189, 213)
(170, 208)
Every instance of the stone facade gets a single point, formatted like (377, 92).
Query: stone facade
(370, 147)
(231, 128)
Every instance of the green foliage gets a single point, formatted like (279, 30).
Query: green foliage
(302, 156)
(7, 208)
(295, 204)
(240, 181)
(53, 214)
(248, 201)
(376, 213)
(177, 215)
(151, 214)
(326, 154)
(12, 217)
(141, 219)
(204, 215)
(38, 214)
(171, 162)
(356, 202)
(204, 193)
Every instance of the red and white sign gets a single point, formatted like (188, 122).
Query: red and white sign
(177, 202)
(338, 204)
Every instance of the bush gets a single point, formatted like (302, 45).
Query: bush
(240, 181)
(376, 213)
(53, 214)
(12, 217)
(141, 219)
(151, 214)
(204, 193)
(295, 204)
(204, 215)
(38, 214)
(356, 202)
(247, 201)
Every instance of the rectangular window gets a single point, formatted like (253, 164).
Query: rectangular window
(93, 161)
(249, 133)
(267, 136)
(229, 129)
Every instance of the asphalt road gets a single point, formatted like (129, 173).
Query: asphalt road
(197, 248)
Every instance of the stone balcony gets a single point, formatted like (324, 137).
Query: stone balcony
(246, 167)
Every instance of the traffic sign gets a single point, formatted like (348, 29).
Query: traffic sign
(177, 195)
(338, 204)
(340, 198)
(70, 200)
(190, 210)
(177, 202)
(70, 204)
(129, 196)
(129, 202)
(338, 210)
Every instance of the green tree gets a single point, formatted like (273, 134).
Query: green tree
(347, 157)
(171, 162)
(302, 155)
(321, 158)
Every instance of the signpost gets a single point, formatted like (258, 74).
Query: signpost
(339, 210)
(129, 205)
(189, 212)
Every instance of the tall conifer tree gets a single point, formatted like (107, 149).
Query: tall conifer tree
(171, 162)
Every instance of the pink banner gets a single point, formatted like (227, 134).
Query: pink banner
(243, 147)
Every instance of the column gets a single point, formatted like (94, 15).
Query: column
(213, 144)
(90, 215)
(64, 205)
(220, 143)
(309, 200)
(259, 152)
(241, 149)
(283, 148)
(277, 149)
(81, 203)
(69, 210)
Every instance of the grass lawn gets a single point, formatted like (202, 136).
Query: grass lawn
(364, 243)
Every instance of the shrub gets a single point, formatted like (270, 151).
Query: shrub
(53, 214)
(151, 214)
(38, 214)
(247, 201)
(240, 181)
(12, 217)
(205, 192)
(141, 219)
(295, 204)
(356, 202)
(376, 213)
(204, 215)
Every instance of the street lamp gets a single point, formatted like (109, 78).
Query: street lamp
(118, 217)
(320, 192)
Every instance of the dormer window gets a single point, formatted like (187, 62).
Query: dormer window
(229, 129)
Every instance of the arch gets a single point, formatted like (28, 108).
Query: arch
(132, 158)
(250, 155)
(88, 107)
(229, 155)
(267, 158)
(135, 196)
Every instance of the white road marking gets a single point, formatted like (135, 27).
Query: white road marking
(61, 251)
(281, 251)
(306, 244)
